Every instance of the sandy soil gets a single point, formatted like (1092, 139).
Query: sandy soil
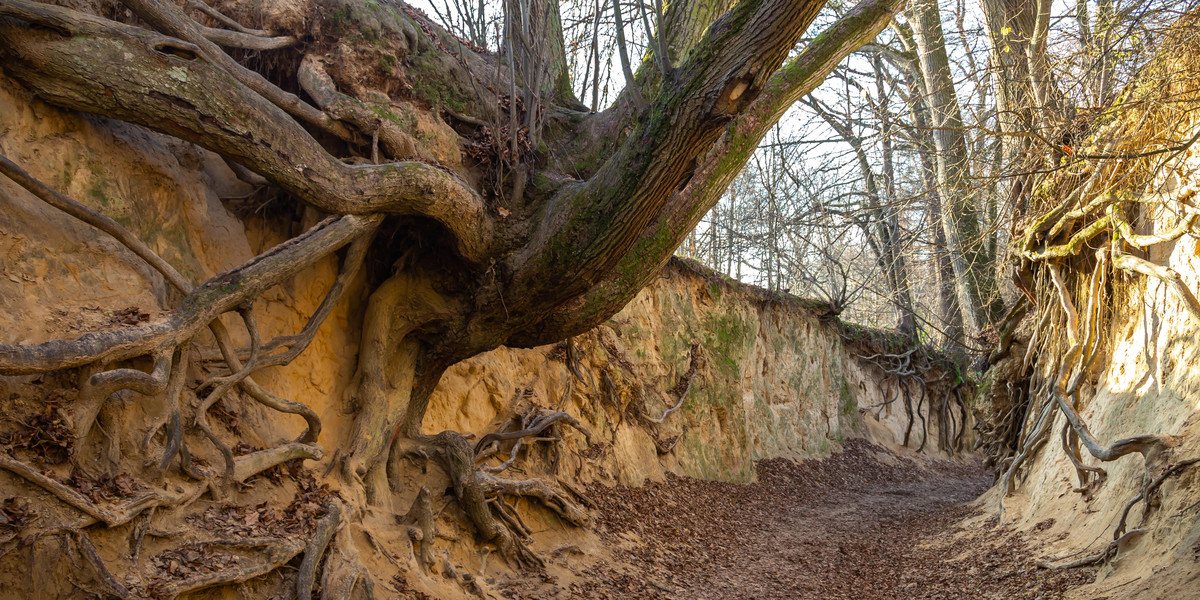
(861, 525)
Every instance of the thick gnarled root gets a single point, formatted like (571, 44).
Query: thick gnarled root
(421, 528)
(326, 528)
(481, 495)
(555, 500)
(107, 360)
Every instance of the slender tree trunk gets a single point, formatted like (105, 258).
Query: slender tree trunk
(1105, 26)
(973, 267)
(949, 310)
(907, 320)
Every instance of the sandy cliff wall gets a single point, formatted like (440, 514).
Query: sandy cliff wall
(771, 379)
(753, 375)
(1147, 381)
(1146, 377)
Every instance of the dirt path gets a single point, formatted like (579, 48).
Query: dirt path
(861, 525)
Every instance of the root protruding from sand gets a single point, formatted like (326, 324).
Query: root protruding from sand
(315, 549)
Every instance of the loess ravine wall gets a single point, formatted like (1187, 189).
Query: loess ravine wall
(759, 375)
(1146, 377)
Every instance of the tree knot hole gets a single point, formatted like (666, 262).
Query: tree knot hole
(737, 92)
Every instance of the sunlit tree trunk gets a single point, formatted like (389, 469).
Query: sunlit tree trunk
(974, 268)
(950, 312)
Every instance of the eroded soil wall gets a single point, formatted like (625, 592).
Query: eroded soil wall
(753, 375)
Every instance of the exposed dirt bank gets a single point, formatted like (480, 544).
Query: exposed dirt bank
(863, 524)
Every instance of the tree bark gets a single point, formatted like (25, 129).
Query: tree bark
(711, 175)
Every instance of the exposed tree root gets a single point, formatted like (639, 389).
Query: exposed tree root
(578, 493)
(299, 342)
(222, 293)
(386, 367)
(382, 550)
(668, 445)
(1148, 489)
(1056, 384)
(421, 528)
(223, 385)
(275, 554)
(1087, 484)
(1008, 327)
(509, 516)
(1104, 555)
(326, 527)
(1125, 231)
(1150, 446)
(1075, 245)
(906, 370)
(553, 499)
(105, 383)
(262, 396)
(170, 20)
(683, 387)
(1068, 307)
(395, 142)
(536, 422)
(1034, 440)
(110, 517)
(513, 454)
(343, 570)
(242, 41)
(1167, 275)
(480, 494)
(98, 387)
(254, 463)
(88, 550)
(228, 22)
(493, 488)
(174, 443)
(246, 123)
(169, 342)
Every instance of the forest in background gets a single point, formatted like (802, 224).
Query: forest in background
(911, 160)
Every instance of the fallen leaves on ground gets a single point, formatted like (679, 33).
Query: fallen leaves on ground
(186, 561)
(44, 433)
(106, 488)
(861, 525)
(130, 315)
(298, 518)
(15, 513)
